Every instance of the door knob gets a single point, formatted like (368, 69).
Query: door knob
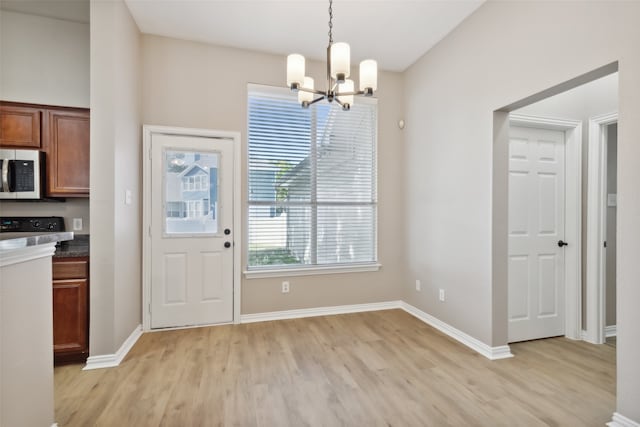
(227, 231)
(561, 243)
(227, 244)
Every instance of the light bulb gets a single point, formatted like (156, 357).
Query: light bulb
(347, 86)
(340, 61)
(306, 96)
(368, 75)
(295, 69)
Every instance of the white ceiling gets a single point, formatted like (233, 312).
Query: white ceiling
(394, 32)
(69, 10)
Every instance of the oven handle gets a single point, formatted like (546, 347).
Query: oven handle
(5, 175)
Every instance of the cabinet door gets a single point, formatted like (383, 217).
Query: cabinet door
(68, 153)
(19, 126)
(70, 319)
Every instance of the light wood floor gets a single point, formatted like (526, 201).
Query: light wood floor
(380, 368)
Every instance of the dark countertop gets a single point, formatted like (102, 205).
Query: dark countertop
(78, 247)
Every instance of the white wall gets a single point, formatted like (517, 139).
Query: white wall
(116, 143)
(505, 52)
(197, 85)
(71, 208)
(44, 60)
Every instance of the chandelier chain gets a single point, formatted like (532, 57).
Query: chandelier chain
(330, 22)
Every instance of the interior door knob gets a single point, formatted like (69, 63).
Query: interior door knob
(561, 243)
(227, 244)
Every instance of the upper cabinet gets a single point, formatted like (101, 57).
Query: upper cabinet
(20, 126)
(61, 132)
(68, 153)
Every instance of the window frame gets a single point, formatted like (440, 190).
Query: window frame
(281, 270)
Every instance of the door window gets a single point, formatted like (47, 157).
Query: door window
(191, 192)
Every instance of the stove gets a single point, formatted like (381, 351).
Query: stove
(31, 224)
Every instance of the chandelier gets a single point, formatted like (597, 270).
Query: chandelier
(339, 87)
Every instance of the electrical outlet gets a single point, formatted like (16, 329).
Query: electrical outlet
(77, 224)
(285, 287)
(441, 296)
(418, 285)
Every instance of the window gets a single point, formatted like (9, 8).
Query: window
(312, 182)
(191, 192)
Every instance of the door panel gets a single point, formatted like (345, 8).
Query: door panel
(192, 199)
(536, 223)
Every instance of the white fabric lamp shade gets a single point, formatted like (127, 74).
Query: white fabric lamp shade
(347, 86)
(306, 96)
(369, 74)
(295, 69)
(340, 60)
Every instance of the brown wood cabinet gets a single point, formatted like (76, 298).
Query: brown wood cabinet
(70, 309)
(67, 144)
(61, 132)
(20, 126)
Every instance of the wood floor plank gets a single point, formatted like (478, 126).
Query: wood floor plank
(381, 368)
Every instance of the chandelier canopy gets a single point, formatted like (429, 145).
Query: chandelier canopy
(339, 87)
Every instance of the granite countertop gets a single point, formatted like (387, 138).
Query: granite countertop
(77, 247)
(13, 241)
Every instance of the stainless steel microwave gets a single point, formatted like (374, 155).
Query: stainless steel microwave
(21, 173)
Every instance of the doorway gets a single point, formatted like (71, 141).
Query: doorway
(555, 105)
(543, 227)
(192, 227)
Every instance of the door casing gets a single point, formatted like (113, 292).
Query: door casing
(573, 213)
(147, 132)
(597, 228)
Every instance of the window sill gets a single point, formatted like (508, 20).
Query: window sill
(311, 271)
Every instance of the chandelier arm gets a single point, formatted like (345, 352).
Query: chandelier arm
(316, 91)
(317, 100)
(359, 92)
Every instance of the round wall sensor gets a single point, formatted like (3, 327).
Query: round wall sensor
(401, 124)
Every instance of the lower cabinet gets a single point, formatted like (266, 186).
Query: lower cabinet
(70, 310)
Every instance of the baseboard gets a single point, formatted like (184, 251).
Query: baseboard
(621, 421)
(491, 353)
(318, 311)
(609, 331)
(112, 360)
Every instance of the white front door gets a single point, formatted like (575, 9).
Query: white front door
(536, 225)
(191, 235)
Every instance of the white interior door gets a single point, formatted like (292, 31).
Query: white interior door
(536, 226)
(191, 234)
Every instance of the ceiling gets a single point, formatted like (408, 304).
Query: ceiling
(394, 32)
(69, 10)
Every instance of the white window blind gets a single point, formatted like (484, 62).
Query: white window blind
(312, 182)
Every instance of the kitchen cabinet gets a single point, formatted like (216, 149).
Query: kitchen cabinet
(67, 146)
(20, 126)
(62, 133)
(70, 309)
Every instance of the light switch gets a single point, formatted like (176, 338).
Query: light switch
(127, 197)
(77, 224)
(612, 199)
